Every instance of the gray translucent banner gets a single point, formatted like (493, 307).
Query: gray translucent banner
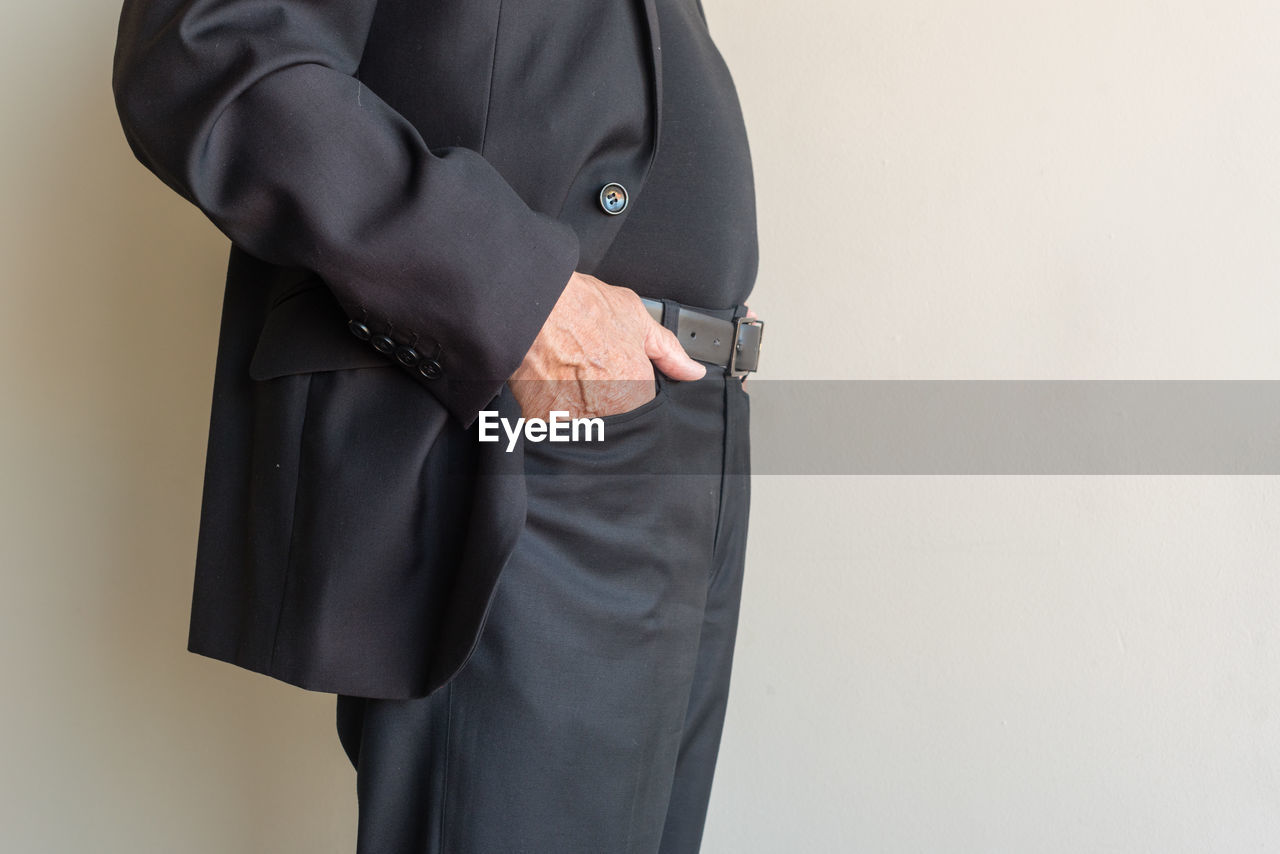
(1015, 427)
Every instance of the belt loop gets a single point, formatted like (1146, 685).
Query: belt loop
(671, 316)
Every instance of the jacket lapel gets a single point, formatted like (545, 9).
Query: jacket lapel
(655, 64)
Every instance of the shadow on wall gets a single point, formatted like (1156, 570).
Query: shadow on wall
(117, 283)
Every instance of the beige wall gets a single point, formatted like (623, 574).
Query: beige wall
(980, 664)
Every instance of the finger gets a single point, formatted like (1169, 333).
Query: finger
(664, 350)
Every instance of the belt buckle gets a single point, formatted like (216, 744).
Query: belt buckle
(738, 325)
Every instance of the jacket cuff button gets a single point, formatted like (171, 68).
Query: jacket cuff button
(383, 344)
(358, 329)
(430, 369)
(407, 356)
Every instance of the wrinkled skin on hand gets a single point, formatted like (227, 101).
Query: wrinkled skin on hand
(596, 354)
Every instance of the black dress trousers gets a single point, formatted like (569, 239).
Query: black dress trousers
(589, 715)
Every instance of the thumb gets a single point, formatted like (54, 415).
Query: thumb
(664, 350)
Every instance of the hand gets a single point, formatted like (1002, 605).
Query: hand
(596, 354)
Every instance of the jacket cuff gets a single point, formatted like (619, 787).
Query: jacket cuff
(465, 363)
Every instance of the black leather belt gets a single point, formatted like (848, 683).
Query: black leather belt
(731, 344)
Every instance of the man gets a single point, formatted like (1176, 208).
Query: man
(438, 210)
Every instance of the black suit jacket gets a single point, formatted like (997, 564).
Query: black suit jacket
(429, 169)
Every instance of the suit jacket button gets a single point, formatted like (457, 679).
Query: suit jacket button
(359, 329)
(430, 369)
(613, 198)
(383, 344)
(407, 356)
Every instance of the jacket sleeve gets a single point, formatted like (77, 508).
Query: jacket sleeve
(250, 110)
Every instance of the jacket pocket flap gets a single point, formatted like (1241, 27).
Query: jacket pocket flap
(307, 332)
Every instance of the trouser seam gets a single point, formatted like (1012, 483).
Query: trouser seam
(444, 782)
(724, 468)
